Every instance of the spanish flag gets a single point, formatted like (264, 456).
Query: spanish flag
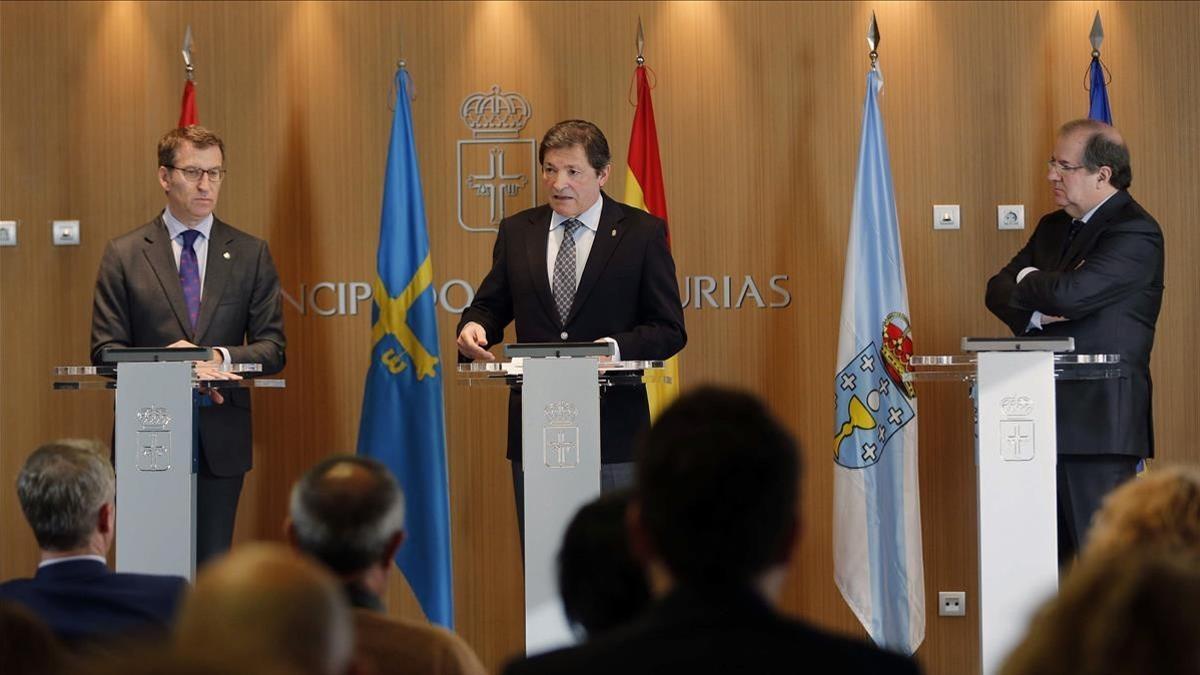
(644, 189)
(187, 109)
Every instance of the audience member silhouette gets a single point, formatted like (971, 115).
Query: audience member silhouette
(67, 493)
(715, 520)
(601, 584)
(264, 603)
(1128, 612)
(347, 512)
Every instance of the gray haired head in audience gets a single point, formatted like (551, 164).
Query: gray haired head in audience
(346, 511)
(61, 488)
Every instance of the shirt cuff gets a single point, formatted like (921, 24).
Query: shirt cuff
(1024, 273)
(616, 348)
(224, 355)
(1035, 321)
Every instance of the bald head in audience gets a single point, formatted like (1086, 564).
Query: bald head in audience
(263, 600)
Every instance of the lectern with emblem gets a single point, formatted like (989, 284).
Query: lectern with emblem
(561, 386)
(1016, 457)
(155, 441)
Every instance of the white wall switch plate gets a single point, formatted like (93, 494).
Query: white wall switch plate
(8, 233)
(946, 217)
(1010, 216)
(65, 232)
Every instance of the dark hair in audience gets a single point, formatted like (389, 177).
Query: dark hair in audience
(601, 584)
(61, 488)
(1125, 614)
(27, 646)
(569, 133)
(1104, 147)
(200, 138)
(346, 524)
(718, 482)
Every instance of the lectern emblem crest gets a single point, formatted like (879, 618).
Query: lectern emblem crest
(153, 439)
(560, 436)
(1016, 435)
(496, 168)
(1016, 440)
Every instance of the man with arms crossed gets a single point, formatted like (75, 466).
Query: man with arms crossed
(1092, 270)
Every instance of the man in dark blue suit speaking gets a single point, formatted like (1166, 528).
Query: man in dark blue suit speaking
(1093, 270)
(67, 491)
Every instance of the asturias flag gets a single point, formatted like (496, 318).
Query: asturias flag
(644, 189)
(402, 418)
(878, 563)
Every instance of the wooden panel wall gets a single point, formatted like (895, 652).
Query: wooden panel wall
(759, 111)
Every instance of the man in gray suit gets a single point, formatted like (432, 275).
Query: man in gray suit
(186, 279)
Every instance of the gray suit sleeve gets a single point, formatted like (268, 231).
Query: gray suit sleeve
(110, 306)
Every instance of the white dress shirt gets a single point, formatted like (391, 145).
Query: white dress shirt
(584, 237)
(72, 558)
(175, 229)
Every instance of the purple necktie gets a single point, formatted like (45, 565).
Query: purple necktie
(189, 276)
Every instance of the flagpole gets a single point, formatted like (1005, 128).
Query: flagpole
(1098, 107)
(187, 107)
(644, 189)
(873, 41)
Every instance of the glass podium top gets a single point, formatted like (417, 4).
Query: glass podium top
(101, 377)
(610, 372)
(927, 368)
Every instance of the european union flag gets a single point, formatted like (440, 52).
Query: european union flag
(403, 424)
(1098, 93)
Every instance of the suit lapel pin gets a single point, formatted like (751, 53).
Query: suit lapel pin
(226, 255)
(614, 232)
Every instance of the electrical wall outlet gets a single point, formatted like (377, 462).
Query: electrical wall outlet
(952, 603)
(1010, 217)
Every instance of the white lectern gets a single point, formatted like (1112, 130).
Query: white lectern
(561, 386)
(154, 450)
(1016, 459)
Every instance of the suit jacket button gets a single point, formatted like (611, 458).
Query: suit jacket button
(563, 335)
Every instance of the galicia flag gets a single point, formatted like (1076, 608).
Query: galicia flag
(878, 563)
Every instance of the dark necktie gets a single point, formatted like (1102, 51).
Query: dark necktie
(1076, 226)
(563, 284)
(189, 276)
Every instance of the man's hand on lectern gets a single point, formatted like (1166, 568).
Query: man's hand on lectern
(472, 342)
(208, 370)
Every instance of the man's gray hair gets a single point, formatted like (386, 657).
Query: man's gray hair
(346, 521)
(61, 488)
